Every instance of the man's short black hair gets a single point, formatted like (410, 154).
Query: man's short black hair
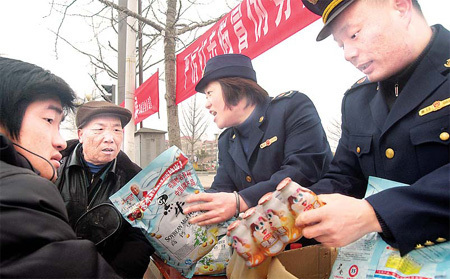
(22, 83)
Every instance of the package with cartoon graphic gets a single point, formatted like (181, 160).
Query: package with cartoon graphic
(153, 201)
(281, 219)
(267, 228)
(244, 244)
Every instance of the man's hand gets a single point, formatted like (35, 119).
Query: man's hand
(341, 221)
(219, 207)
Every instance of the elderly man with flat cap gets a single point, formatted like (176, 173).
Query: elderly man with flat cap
(92, 169)
(267, 139)
(395, 125)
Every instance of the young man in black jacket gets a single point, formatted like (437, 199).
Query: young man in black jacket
(36, 239)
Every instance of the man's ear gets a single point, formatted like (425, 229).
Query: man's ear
(80, 135)
(404, 8)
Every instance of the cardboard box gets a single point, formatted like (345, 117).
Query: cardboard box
(312, 262)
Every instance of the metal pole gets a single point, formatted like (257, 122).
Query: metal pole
(130, 79)
(141, 67)
(121, 54)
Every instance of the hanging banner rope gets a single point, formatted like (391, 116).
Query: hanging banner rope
(251, 28)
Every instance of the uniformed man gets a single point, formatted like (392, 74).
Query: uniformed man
(395, 125)
(267, 140)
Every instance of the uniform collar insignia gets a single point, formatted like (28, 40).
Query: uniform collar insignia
(268, 142)
(437, 105)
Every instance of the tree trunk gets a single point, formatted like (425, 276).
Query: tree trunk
(173, 123)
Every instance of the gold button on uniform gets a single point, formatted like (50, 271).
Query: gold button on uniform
(248, 178)
(444, 136)
(261, 119)
(390, 153)
(358, 150)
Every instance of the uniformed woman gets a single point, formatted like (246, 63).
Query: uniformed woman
(267, 140)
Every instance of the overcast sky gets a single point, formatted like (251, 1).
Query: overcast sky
(317, 69)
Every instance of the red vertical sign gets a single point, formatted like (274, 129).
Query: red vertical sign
(146, 99)
(251, 28)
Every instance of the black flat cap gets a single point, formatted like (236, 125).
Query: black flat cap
(328, 10)
(91, 109)
(226, 65)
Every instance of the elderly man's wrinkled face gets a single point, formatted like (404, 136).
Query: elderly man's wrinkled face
(134, 189)
(101, 138)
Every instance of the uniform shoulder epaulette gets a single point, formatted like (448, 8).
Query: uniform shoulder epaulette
(284, 95)
(361, 82)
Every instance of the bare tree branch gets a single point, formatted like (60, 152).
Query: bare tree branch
(133, 14)
(60, 25)
(198, 25)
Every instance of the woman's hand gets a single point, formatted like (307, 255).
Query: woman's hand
(218, 207)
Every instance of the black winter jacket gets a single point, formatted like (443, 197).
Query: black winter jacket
(36, 240)
(128, 251)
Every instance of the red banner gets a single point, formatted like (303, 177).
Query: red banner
(251, 28)
(146, 99)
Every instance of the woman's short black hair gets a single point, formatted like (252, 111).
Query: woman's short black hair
(235, 89)
(22, 83)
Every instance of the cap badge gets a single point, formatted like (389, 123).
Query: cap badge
(268, 142)
(437, 105)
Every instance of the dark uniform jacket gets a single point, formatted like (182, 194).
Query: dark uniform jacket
(36, 240)
(410, 144)
(128, 251)
(287, 140)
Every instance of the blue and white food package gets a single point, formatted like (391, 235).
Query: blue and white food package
(153, 201)
(216, 261)
(371, 257)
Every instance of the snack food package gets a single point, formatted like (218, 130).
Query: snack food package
(280, 218)
(271, 224)
(371, 257)
(153, 201)
(269, 242)
(216, 261)
(244, 244)
(297, 198)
